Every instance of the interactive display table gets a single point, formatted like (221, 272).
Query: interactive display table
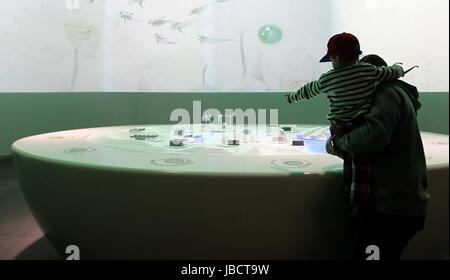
(204, 192)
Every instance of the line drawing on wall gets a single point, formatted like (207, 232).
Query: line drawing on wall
(223, 45)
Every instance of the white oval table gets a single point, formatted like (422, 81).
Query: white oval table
(228, 192)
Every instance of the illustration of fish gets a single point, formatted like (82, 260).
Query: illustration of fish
(205, 39)
(182, 24)
(162, 40)
(126, 16)
(160, 21)
(200, 9)
(132, 2)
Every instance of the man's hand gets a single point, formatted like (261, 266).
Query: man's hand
(288, 99)
(331, 149)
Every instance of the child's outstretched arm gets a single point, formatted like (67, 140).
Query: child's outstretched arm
(307, 91)
(389, 73)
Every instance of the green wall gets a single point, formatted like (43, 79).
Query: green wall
(26, 114)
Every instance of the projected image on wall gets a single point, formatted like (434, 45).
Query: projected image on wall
(186, 45)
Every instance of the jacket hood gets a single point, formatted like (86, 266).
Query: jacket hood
(411, 90)
(413, 93)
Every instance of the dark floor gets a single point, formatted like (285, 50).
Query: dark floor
(20, 236)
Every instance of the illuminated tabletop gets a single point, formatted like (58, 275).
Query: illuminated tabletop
(204, 191)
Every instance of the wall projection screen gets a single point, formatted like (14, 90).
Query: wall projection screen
(209, 45)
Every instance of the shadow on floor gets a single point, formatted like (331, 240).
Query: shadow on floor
(41, 249)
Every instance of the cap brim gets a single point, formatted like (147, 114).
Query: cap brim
(326, 58)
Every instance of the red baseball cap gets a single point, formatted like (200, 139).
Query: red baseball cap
(342, 44)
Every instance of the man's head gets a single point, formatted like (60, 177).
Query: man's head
(343, 50)
(374, 60)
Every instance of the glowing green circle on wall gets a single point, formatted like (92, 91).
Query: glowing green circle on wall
(270, 34)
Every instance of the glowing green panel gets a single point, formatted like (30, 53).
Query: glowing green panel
(270, 34)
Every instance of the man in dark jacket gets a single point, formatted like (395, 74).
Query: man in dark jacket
(398, 195)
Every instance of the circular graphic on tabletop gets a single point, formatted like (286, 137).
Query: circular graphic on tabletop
(270, 34)
(290, 163)
(169, 162)
(79, 150)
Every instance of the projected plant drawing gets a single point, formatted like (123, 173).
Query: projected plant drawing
(86, 33)
(204, 87)
(181, 26)
(269, 34)
(73, 34)
(81, 34)
(85, 38)
(180, 45)
(205, 39)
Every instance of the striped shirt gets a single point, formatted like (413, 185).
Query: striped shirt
(348, 89)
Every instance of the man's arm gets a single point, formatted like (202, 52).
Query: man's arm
(305, 92)
(378, 127)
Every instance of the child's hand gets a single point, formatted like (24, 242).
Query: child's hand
(331, 149)
(288, 99)
(411, 68)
